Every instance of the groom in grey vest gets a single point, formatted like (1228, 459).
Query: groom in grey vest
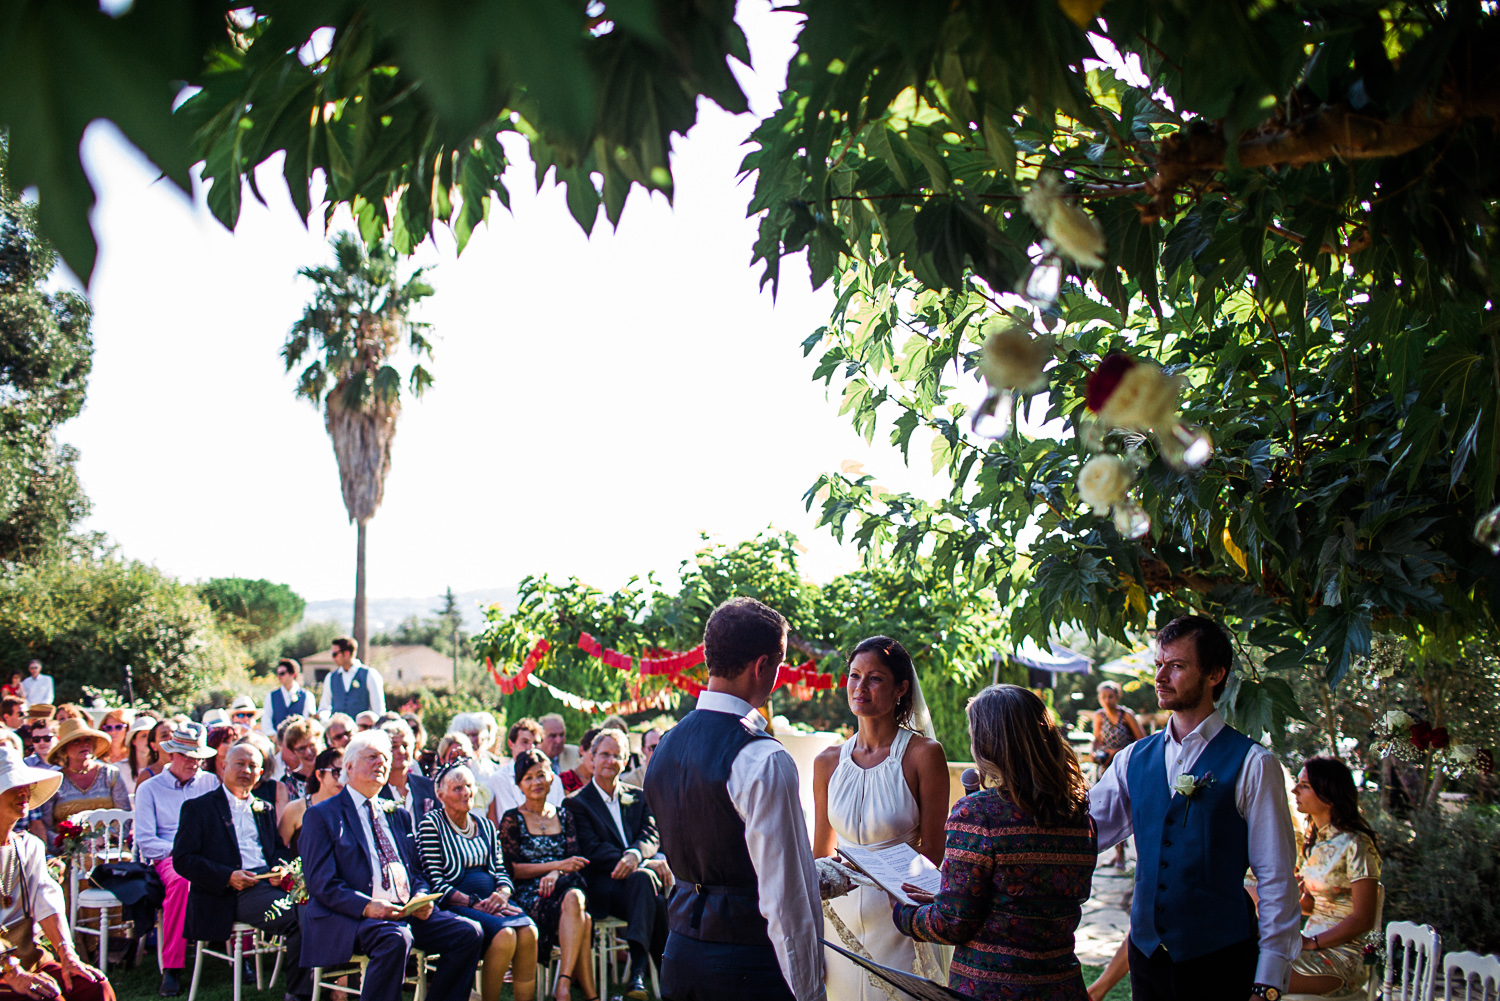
(745, 917)
(1205, 803)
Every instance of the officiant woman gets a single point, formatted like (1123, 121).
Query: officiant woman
(1018, 863)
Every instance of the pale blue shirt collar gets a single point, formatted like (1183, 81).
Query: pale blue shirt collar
(723, 702)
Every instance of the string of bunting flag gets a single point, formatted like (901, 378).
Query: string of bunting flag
(660, 700)
(512, 683)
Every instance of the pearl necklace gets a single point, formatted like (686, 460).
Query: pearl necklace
(468, 829)
(10, 873)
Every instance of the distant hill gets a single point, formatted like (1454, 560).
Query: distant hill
(387, 613)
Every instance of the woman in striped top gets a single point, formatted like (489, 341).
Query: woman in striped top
(1018, 863)
(464, 862)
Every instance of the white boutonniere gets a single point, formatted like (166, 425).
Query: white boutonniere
(353, 684)
(386, 805)
(258, 805)
(1189, 786)
(626, 797)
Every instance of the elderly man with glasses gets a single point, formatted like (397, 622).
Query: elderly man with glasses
(360, 863)
(288, 699)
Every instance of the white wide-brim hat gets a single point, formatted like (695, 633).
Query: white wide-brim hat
(16, 772)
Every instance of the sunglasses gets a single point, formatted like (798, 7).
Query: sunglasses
(242, 714)
(115, 727)
(335, 771)
(43, 738)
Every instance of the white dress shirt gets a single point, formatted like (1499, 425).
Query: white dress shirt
(372, 678)
(763, 788)
(38, 690)
(376, 891)
(1260, 796)
(612, 807)
(242, 813)
(507, 795)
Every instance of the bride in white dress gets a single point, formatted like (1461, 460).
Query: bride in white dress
(885, 785)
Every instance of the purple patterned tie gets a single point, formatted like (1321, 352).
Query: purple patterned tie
(382, 845)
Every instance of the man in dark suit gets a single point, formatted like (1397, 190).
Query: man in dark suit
(617, 833)
(360, 864)
(225, 839)
(404, 785)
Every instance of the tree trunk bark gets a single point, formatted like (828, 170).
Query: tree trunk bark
(359, 593)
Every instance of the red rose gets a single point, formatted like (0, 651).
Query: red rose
(1421, 735)
(1440, 738)
(1103, 380)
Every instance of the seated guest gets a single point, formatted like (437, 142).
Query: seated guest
(115, 725)
(265, 788)
(617, 833)
(582, 772)
(454, 747)
(555, 746)
(158, 810)
(540, 840)
(338, 730)
(69, 710)
(364, 721)
(411, 791)
(225, 840)
(88, 783)
(464, 862)
(244, 712)
(1019, 859)
(481, 729)
(524, 734)
(12, 711)
(221, 737)
(287, 699)
(136, 768)
(41, 737)
(425, 756)
(159, 735)
(649, 740)
(13, 686)
(360, 865)
(32, 897)
(1340, 874)
(326, 782)
(301, 742)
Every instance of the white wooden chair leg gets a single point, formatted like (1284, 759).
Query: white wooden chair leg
(256, 950)
(197, 972)
(317, 982)
(238, 952)
(280, 955)
(104, 939)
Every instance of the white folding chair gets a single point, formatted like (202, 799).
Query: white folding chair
(261, 944)
(607, 948)
(1412, 955)
(328, 976)
(1366, 993)
(107, 844)
(1476, 975)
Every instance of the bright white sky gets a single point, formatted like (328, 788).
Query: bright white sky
(598, 402)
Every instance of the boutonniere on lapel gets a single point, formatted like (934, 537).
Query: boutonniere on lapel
(626, 797)
(258, 805)
(1188, 786)
(386, 805)
(353, 684)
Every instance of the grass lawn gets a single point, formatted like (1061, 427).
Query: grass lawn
(140, 984)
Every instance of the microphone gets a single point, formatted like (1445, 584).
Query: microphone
(970, 780)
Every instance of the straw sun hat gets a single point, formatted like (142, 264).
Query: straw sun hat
(16, 772)
(71, 730)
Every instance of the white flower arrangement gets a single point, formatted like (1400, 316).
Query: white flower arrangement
(1396, 720)
(1104, 481)
(386, 805)
(1074, 232)
(1138, 396)
(1012, 358)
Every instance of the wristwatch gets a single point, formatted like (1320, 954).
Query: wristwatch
(1266, 991)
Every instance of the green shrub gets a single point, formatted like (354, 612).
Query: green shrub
(439, 706)
(1442, 869)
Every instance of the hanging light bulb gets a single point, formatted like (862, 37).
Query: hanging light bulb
(995, 416)
(1487, 531)
(1131, 520)
(1184, 447)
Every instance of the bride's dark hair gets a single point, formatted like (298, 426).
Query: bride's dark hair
(894, 658)
(1332, 782)
(1019, 749)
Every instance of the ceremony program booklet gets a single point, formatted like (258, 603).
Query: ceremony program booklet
(917, 987)
(890, 867)
(418, 902)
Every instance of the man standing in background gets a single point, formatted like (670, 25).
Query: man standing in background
(36, 685)
(354, 687)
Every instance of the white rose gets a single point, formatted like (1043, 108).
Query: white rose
(1184, 785)
(1145, 398)
(1013, 359)
(1103, 481)
(1073, 231)
(1397, 720)
(1464, 753)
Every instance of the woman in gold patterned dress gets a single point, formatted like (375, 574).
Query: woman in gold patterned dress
(1340, 878)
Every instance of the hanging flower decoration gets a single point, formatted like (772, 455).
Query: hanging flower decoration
(1010, 362)
(1139, 396)
(1075, 233)
(1487, 531)
(1400, 734)
(1104, 484)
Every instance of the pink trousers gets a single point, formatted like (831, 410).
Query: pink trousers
(173, 914)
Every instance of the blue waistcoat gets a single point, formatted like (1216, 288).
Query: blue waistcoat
(302, 705)
(1192, 854)
(350, 701)
(717, 898)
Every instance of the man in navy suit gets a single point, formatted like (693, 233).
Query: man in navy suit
(225, 839)
(617, 833)
(360, 864)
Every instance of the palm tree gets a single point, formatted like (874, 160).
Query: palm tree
(358, 317)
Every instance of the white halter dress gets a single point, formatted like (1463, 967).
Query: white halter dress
(873, 807)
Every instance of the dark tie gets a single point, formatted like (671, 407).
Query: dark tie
(383, 846)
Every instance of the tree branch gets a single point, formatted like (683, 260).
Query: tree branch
(808, 648)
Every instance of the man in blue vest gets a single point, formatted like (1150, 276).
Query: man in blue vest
(288, 699)
(730, 819)
(353, 686)
(1205, 803)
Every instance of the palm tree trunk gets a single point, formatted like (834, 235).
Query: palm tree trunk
(359, 592)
